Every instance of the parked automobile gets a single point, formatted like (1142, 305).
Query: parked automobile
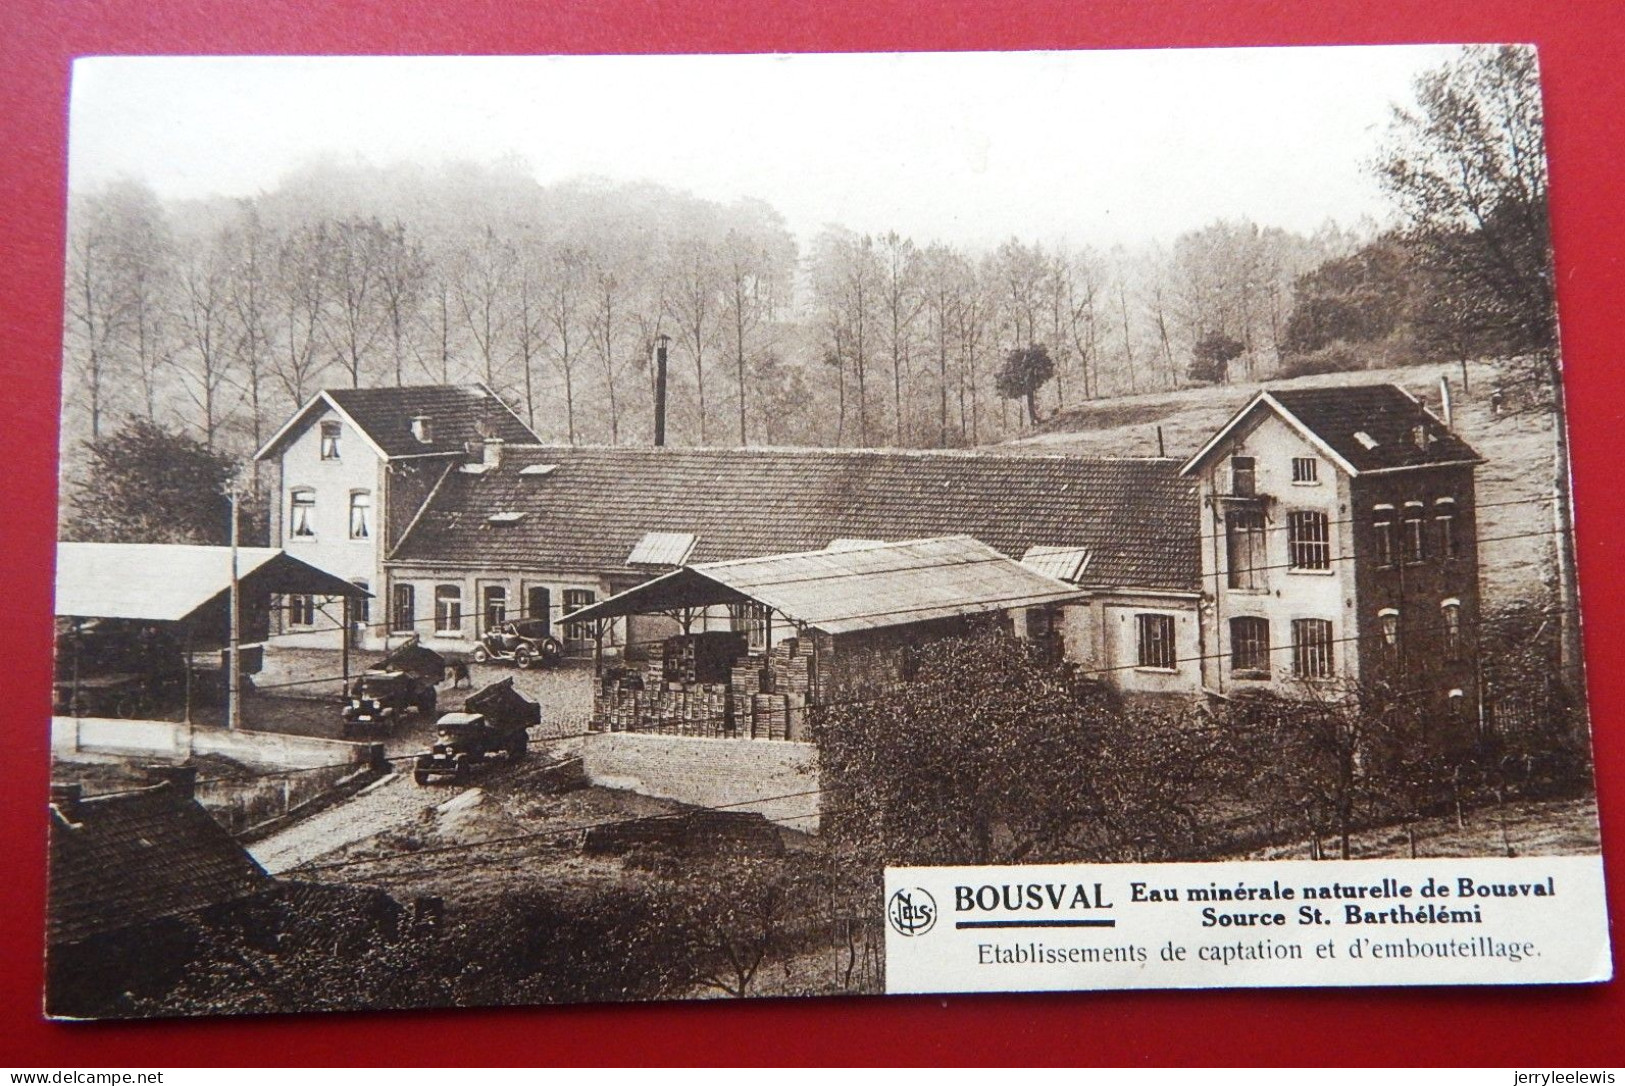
(494, 721)
(525, 642)
(379, 697)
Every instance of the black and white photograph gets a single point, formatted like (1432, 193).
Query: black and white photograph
(615, 528)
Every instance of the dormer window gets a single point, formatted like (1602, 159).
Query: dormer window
(423, 429)
(330, 440)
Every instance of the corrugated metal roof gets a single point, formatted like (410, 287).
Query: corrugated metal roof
(1063, 563)
(662, 549)
(860, 588)
(166, 582)
(1137, 517)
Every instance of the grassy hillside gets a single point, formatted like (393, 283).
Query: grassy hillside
(1517, 554)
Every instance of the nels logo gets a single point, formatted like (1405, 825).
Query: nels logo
(911, 911)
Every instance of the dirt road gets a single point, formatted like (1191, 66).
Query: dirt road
(383, 805)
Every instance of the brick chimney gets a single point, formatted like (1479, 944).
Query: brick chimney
(65, 798)
(183, 778)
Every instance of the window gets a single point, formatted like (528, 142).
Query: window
(1451, 609)
(330, 440)
(1250, 647)
(302, 514)
(751, 620)
(577, 635)
(403, 616)
(360, 514)
(1444, 511)
(1243, 477)
(1245, 551)
(1415, 533)
(301, 610)
(1305, 470)
(448, 609)
(1311, 648)
(361, 606)
(1156, 640)
(1309, 540)
(495, 606)
(1382, 534)
(1388, 624)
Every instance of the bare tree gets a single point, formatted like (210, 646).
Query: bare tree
(481, 291)
(566, 267)
(901, 300)
(301, 301)
(251, 250)
(403, 278)
(204, 309)
(693, 301)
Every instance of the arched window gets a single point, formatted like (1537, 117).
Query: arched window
(1444, 511)
(302, 514)
(360, 514)
(1382, 529)
(1451, 611)
(1416, 536)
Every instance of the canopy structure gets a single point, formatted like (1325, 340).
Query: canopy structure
(162, 582)
(855, 588)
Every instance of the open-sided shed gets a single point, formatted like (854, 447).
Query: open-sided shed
(855, 612)
(179, 592)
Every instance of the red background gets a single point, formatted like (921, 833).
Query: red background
(1581, 45)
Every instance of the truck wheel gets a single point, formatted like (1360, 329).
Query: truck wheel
(479, 655)
(524, 657)
(420, 776)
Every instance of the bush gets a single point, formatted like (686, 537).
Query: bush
(1337, 357)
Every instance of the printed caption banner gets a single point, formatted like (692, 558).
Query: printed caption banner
(1536, 920)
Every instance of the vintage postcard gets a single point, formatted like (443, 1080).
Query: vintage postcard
(549, 529)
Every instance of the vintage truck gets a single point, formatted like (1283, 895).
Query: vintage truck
(404, 680)
(495, 720)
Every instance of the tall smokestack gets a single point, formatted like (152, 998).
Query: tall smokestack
(660, 388)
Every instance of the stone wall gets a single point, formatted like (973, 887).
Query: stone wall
(734, 774)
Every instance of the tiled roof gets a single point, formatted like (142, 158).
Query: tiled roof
(128, 859)
(856, 588)
(457, 413)
(1371, 427)
(1386, 414)
(1137, 518)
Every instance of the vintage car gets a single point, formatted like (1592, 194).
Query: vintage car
(525, 642)
(379, 697)
(495, 720)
